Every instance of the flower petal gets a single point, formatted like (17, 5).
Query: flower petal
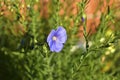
(51, 45)
(55, 46)
(61, 34)
(52, 33)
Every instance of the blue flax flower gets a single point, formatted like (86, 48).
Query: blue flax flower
(56, 39)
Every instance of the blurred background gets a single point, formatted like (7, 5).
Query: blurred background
(25, 25)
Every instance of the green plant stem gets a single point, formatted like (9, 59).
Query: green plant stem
(85, 35)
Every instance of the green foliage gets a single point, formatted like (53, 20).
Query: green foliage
(25, 54)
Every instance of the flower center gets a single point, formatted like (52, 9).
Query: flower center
(54, 38)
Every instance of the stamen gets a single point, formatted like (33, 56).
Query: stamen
(54, 38)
